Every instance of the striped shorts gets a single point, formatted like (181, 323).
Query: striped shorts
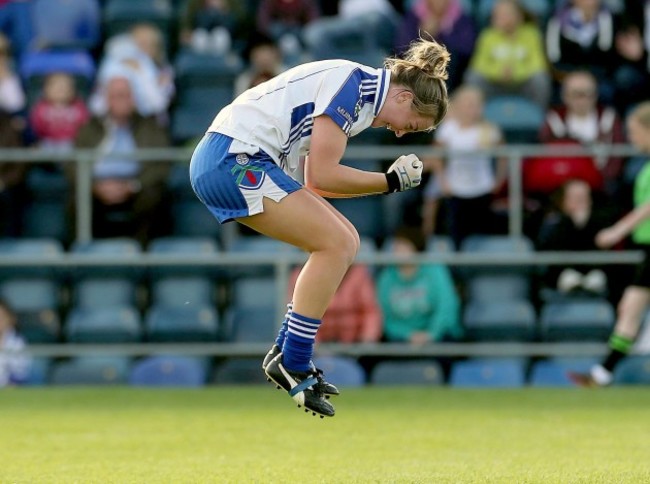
(233, 184)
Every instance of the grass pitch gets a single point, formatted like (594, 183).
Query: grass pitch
(226, 434)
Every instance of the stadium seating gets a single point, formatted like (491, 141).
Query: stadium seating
(121, 251)
(183, 291)
(46, 219)
(30, 249)
(500, 320)
(251, 325)
(634, 370)
(365, 213)
(518, 117)
(416, 372)
(39, 372)
(577, 320)
(108, 324)
(497, 287)
(39, 326)
(104, 292)
(192, 219)
(341, 371)
(256, 292)
(240, 371)
(95, 370)
(485, 373)
(181, 324)
(30, 294)
(119, 15)
(553, 372)
(168, 371)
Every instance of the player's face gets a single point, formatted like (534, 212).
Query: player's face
(398, 114)
(638, 134)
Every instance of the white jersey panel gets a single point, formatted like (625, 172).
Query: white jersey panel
(278, 115)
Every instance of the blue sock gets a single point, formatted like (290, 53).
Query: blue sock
(299, 343)
(282, 334)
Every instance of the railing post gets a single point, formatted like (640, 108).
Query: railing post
(84, 197)
(281, 282)
(515, 195)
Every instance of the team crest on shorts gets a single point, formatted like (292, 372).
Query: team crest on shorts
(248, 176)
(241, 159)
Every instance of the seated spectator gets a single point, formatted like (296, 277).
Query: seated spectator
(447, 23)
(59, 114)
(353, 315)
(572, 226)
(12, 96)
(466, 181)
(419, 302)
(580, 120)
(66, 23)
(265, 62)
(138, 55)
(581, 36)
(210, 25)
(283, 20)
(15, 363)
(509, 56)
(633, 48)
(128, 195)
(13, 192)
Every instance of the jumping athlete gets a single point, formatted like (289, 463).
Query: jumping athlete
(241, 170)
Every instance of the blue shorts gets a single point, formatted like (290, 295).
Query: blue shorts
(233, 184)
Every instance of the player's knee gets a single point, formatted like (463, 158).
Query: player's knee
(345, 246)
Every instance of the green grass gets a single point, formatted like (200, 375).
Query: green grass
(379, 435)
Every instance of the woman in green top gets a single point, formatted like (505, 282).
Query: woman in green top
(509, 56)
(636, 297)
(419, 302)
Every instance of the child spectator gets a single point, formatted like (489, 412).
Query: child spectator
(509, 56)
(12, 96)
(210, 25)
(447, 23)
(59, 114)
(419, 302)
(573, 226)
(265, 61)
(354, 315)
(15, 364)
(467, 181)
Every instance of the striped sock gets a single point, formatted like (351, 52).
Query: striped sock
(282, 334)
(299, 343)
(619, 347)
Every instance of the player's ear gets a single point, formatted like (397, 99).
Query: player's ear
(405, 96)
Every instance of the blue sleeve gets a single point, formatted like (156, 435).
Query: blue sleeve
(343, 108)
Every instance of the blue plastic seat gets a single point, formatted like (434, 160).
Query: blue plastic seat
(113, 324)
(30, 249)
(182, 324)
(341, 371)
(500, 320)
(39, 326)
(488, 373)
(119, 15)
(255, 246)
(121, 251)
(255, 292)
(579, 320)
(365, 213)
(518, 117)
(168, 371)
(87, 370)
(634, 370)
(415, 372)
(30, 294)
(553, 372)
(183, 291)
(193, 219)
(104, 292)
(183, 246)
(252, 325)
(47, 220)
(64, 24)
(496, 245)
(498, 287)
(240, 371)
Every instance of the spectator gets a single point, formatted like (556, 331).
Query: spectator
(447, 23)
(419, 302)
(59, 114)
(573, 226)
(12, 96)
(633, 47)
(265, 62)
(66, 23)
(15, 364)
(13, 193)
(210, 25)
(581, 36)
(509, 56)
(581, 120)
(354, 315)
(139, 56)
(128, 195)
(285, 18)
(467, 181)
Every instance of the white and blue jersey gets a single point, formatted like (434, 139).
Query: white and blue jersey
(278, 115)
(255, 142)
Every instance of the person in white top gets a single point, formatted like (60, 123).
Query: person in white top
(15, 363)
(465, 179)
(241, 171)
